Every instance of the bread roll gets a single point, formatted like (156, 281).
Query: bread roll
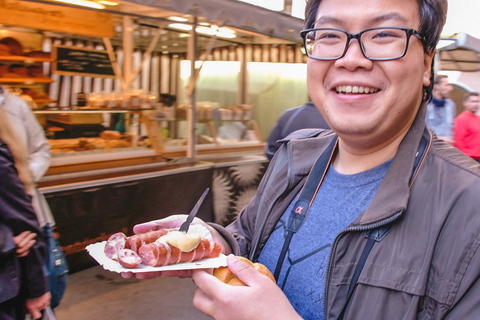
(110, 135)
(225, 275)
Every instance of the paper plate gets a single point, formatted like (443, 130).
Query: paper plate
(96, 251)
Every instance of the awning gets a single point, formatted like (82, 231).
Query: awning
(460, 52)
(235, 14)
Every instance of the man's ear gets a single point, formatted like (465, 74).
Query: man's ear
(427, 65)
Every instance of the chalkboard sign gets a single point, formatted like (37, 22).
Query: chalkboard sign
(81, 62)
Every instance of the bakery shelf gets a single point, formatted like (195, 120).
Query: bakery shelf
(25, 59)
(26, 80)
(47, 111)
(44, 100)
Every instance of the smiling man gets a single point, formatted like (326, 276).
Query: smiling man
(377, 220)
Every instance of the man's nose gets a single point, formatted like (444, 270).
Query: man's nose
(354, 56)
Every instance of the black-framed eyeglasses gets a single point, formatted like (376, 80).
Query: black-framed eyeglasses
(377, 44)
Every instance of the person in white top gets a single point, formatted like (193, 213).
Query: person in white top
(32, 135)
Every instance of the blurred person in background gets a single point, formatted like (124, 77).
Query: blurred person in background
(23, 284)
(301, 117)
(441, 110)
(31, 134)
(467, 127)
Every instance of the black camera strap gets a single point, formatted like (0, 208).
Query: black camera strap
(302, 205)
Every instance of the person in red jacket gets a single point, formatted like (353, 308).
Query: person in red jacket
(467, 127)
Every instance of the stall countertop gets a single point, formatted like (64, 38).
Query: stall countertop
(124, 174)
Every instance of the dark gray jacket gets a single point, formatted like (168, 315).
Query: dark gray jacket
(302, 117)
(427, 267)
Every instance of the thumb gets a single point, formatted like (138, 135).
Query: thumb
(243, 270)
(36, 314)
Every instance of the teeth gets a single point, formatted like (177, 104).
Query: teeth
(355, 89)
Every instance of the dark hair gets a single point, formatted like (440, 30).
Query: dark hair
(433, 14)
(470, 94)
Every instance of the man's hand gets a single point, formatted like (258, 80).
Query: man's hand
(24, 241)
(36, 305)
(260, 299)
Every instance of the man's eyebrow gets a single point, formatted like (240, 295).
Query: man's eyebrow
(328, 19)
(385, 17)
(390, 16)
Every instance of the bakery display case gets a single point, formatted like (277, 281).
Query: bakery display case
(98, 138)
(216, 128)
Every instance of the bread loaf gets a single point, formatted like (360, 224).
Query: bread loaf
(225, 275)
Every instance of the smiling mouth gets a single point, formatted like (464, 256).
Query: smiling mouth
(356, 89)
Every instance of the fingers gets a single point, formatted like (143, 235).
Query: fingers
(173, 273)
(203, 303)
(173, 221)
(209, 284)
(148, 275)
(24, 241)
(23, 238)
(36, 314)
(36, 305)
(127, 275)
(243, 271)
(177, 273)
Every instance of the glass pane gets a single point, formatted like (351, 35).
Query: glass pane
(218, 82)
(274, 88)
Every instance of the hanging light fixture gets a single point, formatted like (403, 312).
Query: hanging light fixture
(83, 3)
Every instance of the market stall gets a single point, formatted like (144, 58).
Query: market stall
(132, 132)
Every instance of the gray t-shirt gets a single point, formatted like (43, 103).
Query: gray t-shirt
(340, 200)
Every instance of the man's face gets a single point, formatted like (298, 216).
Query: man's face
(371, 119)
(472, 104)
(443, 88)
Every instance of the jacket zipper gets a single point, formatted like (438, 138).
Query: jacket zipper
(335, 243)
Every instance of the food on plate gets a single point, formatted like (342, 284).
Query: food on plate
(159, 248)
(129, 258)
(225, 275)
(115, 243)
(161, 253)
(137, 240)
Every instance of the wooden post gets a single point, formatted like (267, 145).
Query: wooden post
(192, 111)
(127, 51)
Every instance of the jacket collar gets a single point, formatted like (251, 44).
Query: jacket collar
(394, 192)
(393, 195)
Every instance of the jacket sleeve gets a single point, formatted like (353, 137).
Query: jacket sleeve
(38, 146)
(17, 212)
(239, 233)
(467, 305)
